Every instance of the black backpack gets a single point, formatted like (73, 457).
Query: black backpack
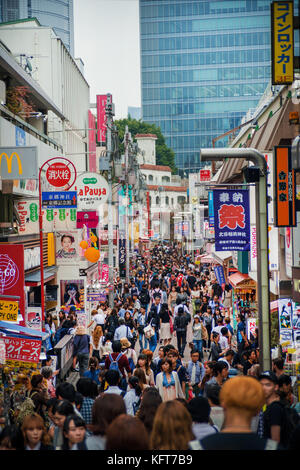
(290, 421)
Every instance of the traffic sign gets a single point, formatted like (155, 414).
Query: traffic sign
(59, 199)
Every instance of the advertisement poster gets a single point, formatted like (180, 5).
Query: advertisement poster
(72, 293)
(28, 212)
(12, 273)
(231, 219)
(33, 318)
(285, 314)
(22, 349)
(82, 319)
(296, 316)
(251, 326)
(67, 247)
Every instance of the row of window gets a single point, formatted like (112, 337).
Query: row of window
(202, 8)
(204, 91)
(195, 125)
(166, 200)
(198, 75)
(163, 179)
(150, 111)
(193, 142)
(207, 58)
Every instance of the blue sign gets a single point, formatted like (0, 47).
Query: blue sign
(20, 137)
(219, 273)
(59, 199)
(210, 209)
(231, 219)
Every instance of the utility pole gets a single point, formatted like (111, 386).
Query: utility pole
(110, 112)
(126, 153)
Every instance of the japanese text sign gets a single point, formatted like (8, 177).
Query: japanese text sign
(88, 218)
(205, 175)
(220, 276)
(22, 349)
(59, 199)
(101, 117)
(231, 219)
(210, 209)
(282, 42)
(285, 188)
(8, 310)
(105, 273)
(12, 273)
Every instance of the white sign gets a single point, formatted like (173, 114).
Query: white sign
(92, 190)
(288, 251)
(32, 258)
(2, 352)
(251, 326)
(28, 212)
(33, 318)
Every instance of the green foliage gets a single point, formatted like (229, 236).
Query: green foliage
(164, 155)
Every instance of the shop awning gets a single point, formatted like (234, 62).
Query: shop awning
(8, 326)
(207, 259)
(220, 256)
(34, 279)
(237, 278)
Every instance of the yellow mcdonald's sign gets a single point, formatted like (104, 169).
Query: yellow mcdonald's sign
(9, 161)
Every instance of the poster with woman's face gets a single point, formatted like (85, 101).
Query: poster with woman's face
(72, 293)
(67, 247)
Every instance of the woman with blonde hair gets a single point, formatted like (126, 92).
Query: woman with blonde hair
(95, 342)
(172, 427)
(35, 434)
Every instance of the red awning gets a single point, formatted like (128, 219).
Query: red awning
(236, 278)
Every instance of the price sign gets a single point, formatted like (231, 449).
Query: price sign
(8, 310)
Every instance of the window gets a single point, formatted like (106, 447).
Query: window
(157, 200)
(150, 177)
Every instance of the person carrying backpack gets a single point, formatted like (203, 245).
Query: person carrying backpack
(118, 361)
(180, 326)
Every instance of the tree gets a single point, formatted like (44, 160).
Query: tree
(164, 155)
(18, 102)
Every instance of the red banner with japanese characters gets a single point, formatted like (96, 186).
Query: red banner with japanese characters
(12, 275)
(22, 349)
(231, 219)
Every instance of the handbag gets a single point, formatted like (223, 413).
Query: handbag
(149, 331)
(171, 324)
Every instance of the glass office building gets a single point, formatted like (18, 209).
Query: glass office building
(55, 13)
(204, 64)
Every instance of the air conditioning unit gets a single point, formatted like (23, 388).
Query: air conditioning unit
(2, 92)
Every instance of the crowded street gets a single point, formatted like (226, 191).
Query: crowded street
(149, 228)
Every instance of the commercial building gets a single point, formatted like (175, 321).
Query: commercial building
(203, 66)
(58, 14)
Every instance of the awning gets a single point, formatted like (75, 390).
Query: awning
(237, 278)
(220, 256)
(207, 259)
(34, 279)
(22, 329)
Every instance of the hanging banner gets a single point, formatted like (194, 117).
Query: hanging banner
(104, 273)
(12, 273)
(210, 209)
(219, 273)
(22, 349)
(122, 257)
(285, 314)
(67, 248)
(88, 218)
(101, 118)
(282, 40)
(231, 219)
(285, 188)
(251, 327)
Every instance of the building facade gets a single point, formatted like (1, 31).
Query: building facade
(55, 13)
(203, 66)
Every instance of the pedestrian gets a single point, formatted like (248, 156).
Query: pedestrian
(168, 383)
(140, 324)
(95, 342)
(89, 390)
(74, 432)
(122, 331)
(215, 351)
(150, 401)
(11, 438)
(60, 411)
(199, 410)
(81, 350)
(196, 372)
(93, 371)
(241, 397)
(118, 361)
(165, 326)
(172, 427)
(129, 352)
(127, 433)
(180, 327)
(216, 411)
(197, 334)
(107, 408)
(132, 399)
(35, 434)
(143, 363)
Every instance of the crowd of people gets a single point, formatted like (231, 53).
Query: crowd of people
(136, 391)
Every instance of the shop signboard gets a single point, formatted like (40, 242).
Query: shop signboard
(22, 349)
(92, 191)
(122, 257)
(12, 273)
(28, 212)
(231, 219)
(88, 218)
(285, 188)
(2, 351)
(285, 321)
(33, 318)
(18, 163)
(9, 310)
(282, 41)
(101, 118)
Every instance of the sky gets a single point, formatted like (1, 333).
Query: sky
(106, 37)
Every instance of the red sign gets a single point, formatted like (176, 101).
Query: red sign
(205, 175)
(88, 218)
(105, 273)
(12, 274)
(101, 117)
(22, 349)
(103, 236)
(58, 174)
(92, 142)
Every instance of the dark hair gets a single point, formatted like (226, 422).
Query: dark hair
(127, 433)
(135, 383)
(87, 387)
(66, 391)
(219, 366)
(278, 362)
(168, 347)
(168, 361)
(284, 379)
(63, 407)
(194, 351)
(93, 363)
(116, 346)
(105, 409)
(199, 409)
(224, 330)
(213, 393)
(78, 400)
(51, 403)
(180, 310)
(112, 377)
(215, 334)
(12, 438)
(78, 423)
(68, 236)
(149, 404)
(36, 380)
(230, 352)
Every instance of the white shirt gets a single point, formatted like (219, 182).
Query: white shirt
(185, 309)
(217, 329)
(114, 389)
(99, 318)
(223, 342)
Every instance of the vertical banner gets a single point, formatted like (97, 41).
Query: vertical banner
(210, 209)
(122, 257)
(219, 273)
(285, 188)
(92, 142)
(231, 219)
(285, 321)
(12, 274)
(101, 118)
(282, 40)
